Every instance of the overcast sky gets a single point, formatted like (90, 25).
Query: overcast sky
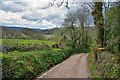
(34, 13)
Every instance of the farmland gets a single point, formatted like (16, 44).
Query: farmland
(20, 60)
(9, 45)
(25, 41)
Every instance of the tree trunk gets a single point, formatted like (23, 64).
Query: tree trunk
(99, 22)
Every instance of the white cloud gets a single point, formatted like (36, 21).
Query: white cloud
(32, 13)
(13, 7)
(4, 16)
(33, 16)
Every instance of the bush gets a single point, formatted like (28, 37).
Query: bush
(30, 64)
(105, 67)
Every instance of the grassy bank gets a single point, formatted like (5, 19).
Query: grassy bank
(104, 67)
(92, 67)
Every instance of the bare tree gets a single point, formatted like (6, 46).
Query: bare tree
(82, 17)
(97, 12)
(75, 23)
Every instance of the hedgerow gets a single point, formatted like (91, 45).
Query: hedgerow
(108, 65)
(27, 65)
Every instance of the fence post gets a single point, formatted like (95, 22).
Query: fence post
(97, 53)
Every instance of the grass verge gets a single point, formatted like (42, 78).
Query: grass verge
(92, 67)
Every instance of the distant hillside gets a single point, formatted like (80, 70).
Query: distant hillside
(45, 31)
(19, 32)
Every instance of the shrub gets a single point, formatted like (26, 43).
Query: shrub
(105, 67)
(30, 64)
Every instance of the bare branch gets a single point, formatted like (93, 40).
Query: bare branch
(60, 4)
(67, 4)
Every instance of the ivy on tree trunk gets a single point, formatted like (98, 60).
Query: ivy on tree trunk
(99, 22)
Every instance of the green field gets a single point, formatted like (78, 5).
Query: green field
(23, 45)
(25, 42)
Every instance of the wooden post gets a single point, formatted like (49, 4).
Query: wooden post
(96, 53)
